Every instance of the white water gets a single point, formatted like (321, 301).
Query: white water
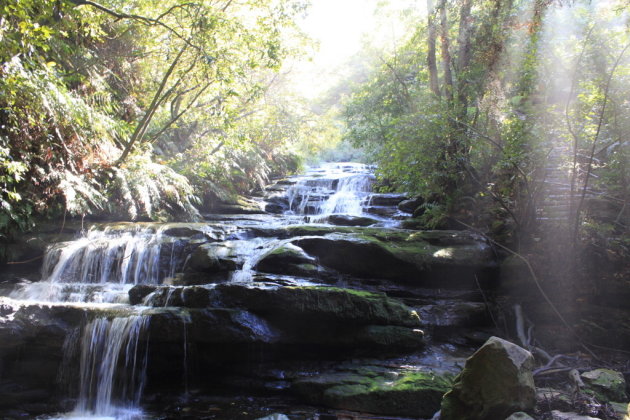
(113, 369)
(102, 266)
(333, 188)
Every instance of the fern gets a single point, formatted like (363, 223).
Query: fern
(145, 188)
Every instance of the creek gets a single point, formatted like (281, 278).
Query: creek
(307, 299)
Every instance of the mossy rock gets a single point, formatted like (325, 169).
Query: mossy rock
(318, 303)
(496, 382)
(606, 385)
(377, 390)
(212, 258)
(448, 259)
(288, 259)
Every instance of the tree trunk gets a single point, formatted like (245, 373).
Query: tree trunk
(446, 55)
(464, 53)
(146, 119)
(431, 61)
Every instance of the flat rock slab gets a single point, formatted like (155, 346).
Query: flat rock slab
(447, 259)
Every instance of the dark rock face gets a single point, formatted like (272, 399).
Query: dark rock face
(496, 382)
(391, 199)
(345, 220)
(410, 205)
(356, 257)
(320, 304)
(319, 316)
(427, 259)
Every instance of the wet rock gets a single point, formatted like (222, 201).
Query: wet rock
(410, 205)
(317, 316)
(140, 291)
(322, 304)
(377, 390)
(387, 199)
(454, 314)
(382, 211)
(239, 205)
(194, 230)
(357, 257)
(561, 415)
(606, 385)
(388, 336)
(209, 325)
(162, 296)
(496, 381)
(275, 208)
(288, 259)
(275, 416)
(212, 258)
(520, 416)
(427, 259)
(345, 220)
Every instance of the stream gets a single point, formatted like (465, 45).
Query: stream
(311, 286)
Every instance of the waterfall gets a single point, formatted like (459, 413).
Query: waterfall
(334, 188)
(103, 265)
(350, 196)
(112, 368)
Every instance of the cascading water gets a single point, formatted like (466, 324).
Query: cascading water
(99, 268)
(112, 368)
(332, 189)
(103, 265)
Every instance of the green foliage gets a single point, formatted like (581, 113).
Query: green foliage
(142, 187)
(86, 89)
(518, 107)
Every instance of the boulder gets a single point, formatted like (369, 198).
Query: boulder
(288, 259)
(606, 385)
(378, 390)
(382, 211)
(410, 205)
(193, 230)
(238, 205)
(496, 381)
(211, 258)
(387, 199)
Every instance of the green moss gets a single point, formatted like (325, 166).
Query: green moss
(605, 385)
(422, 380)
(353, 292)
(379, 390)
